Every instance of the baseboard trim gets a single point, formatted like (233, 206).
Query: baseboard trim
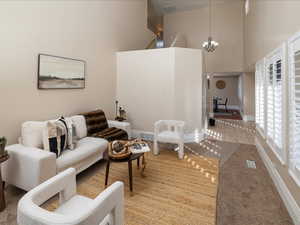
(260, 131)
(248, 118)
(146, 135)
(295, 177)
(286, 196)
(149, 136)
(193, 137)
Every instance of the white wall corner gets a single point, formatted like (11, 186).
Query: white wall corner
(286, 196)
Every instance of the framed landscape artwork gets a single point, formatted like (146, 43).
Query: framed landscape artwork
(56, 72)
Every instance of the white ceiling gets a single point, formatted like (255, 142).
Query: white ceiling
(170, 6)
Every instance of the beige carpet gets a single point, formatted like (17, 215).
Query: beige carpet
(178, 192)
(248, 196)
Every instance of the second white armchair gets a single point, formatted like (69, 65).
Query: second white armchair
(74, 209)
(169, 131)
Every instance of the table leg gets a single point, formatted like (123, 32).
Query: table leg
(138, 162)
(107, 172)
(2, 197)
(130, 174)
(143, 165)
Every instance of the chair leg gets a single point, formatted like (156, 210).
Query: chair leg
(181, 150)
(155, 148)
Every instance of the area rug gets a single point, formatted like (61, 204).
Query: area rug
(174, 192)
(231, 114)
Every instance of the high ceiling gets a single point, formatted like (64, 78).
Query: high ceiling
(170, 6)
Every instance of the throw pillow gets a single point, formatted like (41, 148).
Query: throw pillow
(55, 136)
(80, 126)
(71, 139)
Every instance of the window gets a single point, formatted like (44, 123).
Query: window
(294, 107)
(274, 103)
(260, 97)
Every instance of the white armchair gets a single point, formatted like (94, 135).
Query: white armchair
(169, 131)
(106, 209)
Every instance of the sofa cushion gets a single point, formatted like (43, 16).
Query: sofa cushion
(111, 134)
(32, 133)
(80, 126)
(85, 147)
(95, 122)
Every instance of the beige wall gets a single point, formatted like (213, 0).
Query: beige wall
(161, 84)
(268, 24)
(240, 93)
(155, 20)
(88, 30)
(230, 91)
(188, 104)
(145, 86)
(248, 93)
(227, 30)
(282, 170)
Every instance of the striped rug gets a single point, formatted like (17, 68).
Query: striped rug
(173, 191)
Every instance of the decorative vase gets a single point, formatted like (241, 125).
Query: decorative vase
(3, 142)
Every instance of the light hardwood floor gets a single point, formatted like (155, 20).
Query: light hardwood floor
(233, 131)
(236, 131)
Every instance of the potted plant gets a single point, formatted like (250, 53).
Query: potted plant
(3, 142)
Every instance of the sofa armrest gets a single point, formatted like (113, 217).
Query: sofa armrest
(121, 125)
(28, 167)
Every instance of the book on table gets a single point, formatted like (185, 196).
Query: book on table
(139, 148)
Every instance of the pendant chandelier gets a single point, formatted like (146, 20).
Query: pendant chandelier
(210, 45)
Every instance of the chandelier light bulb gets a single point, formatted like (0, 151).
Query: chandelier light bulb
(210, 45)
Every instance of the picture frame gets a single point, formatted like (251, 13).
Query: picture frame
(56, 72)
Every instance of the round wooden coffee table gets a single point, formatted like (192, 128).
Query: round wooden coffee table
(129, 160)
(2, 197)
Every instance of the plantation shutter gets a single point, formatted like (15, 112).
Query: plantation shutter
(260, 96)
(257, 96)
(278, 106)
(295, 107)
(274, 84)
(270, 102)
(294, 102)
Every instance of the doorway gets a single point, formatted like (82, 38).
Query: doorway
(225, 91)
